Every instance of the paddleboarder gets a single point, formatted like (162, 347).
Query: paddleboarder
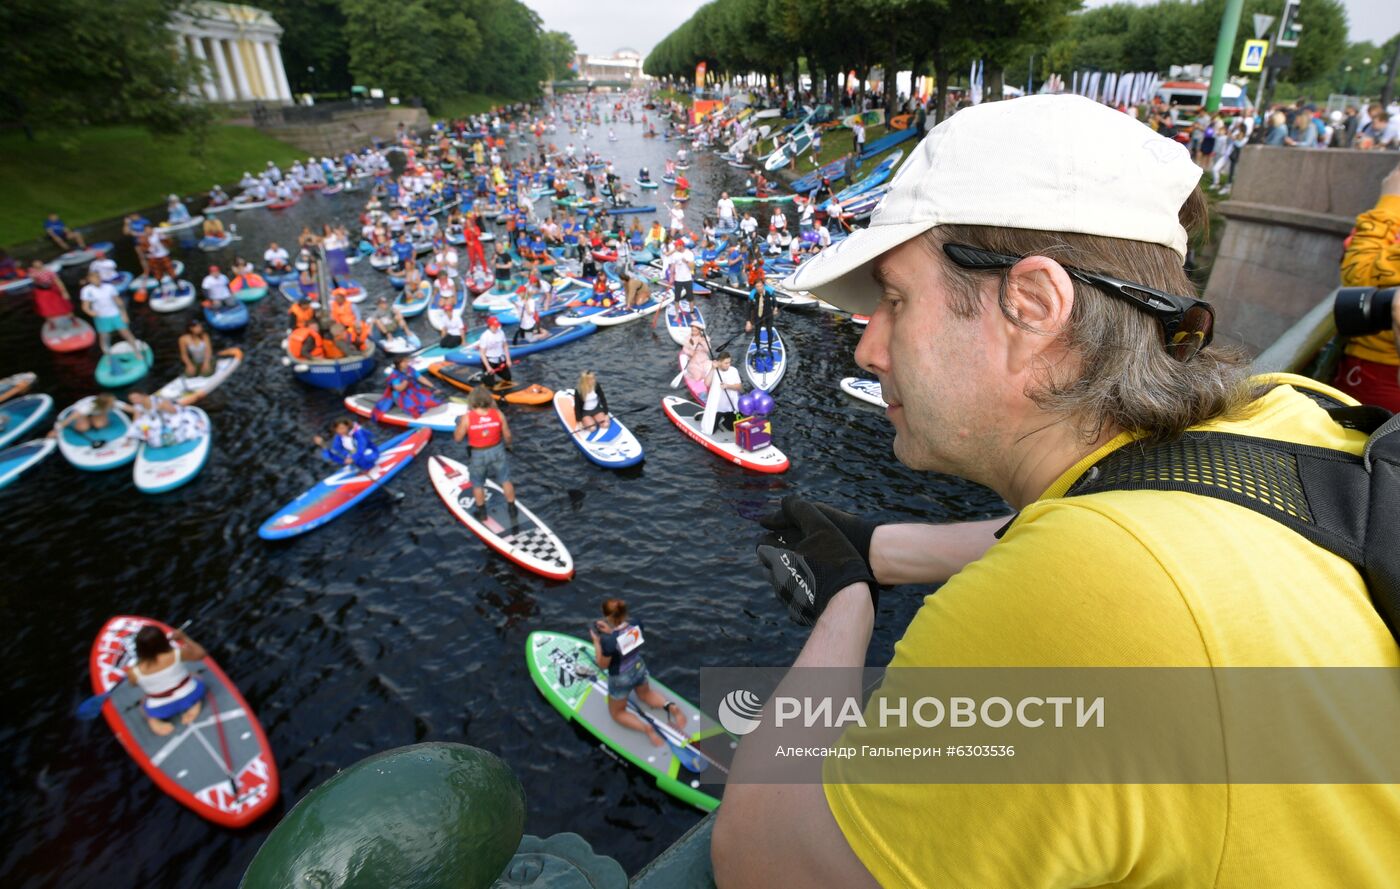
(196, 350)
(617, 644)
(590, 404)
(161, 672)
(488, 435)
(349, 445)
(108, 313)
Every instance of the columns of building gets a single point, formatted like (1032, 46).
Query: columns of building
(284, 89)
(227, 92)
(240, 74)
(265, 88)
(211, 91)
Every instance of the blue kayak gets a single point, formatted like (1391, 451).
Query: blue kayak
(234, 317)
(884, 143)
(556, 337)
(833, 171)
(337, 493)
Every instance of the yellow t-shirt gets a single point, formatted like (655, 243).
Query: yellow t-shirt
(1150, 579)
(1372, 259)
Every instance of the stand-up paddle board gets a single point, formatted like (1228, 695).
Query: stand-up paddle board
(612, 448)
(689, 418)
(520, 537)
(679, 327)
(16, 384)
(180, 298)
(765, 365)
(71, 334)
(220, 765)
(122, 365)
(97, 450)
(442, 418)
(15, 461)
(188, 390)
(336, 493)
(866, 390)
(563, 669)
(468, 378)
(165, 468)
(19, 415)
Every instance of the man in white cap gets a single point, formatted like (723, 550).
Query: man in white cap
(1030, 317)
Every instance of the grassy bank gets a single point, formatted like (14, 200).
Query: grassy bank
(470, 103)
(837, 142)
(673, 95)
(110, 171)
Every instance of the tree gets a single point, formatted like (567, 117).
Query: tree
(73, 63)
(314, 47)
(559, 52)
(417, 48)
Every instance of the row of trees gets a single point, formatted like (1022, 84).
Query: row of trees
(942, 37)
(83, 62)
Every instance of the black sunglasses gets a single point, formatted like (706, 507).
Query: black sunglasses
(1187, 323)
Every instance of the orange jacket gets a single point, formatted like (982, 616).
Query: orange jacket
(296, 343)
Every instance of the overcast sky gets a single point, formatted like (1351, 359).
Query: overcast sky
(600, 27)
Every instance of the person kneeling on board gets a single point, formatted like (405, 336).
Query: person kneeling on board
(617, 644)
(590, 404)
(306, 342)
(488, 434)
(161, 672)
(349, 445)
(406, 391)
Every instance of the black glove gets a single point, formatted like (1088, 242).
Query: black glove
(787, 525)
(808, 560)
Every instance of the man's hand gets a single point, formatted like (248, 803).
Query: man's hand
(808, 560)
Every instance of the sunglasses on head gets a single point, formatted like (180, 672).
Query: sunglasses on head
(1187, 323)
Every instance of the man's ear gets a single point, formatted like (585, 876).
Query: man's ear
(1040, 296)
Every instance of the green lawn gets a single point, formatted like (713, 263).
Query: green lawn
(669, 95)
(836, 142)
(470, 103)
(111, 171)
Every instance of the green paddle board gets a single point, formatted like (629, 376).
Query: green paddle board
(565, 673)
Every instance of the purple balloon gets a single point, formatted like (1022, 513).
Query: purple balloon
(763, 403)
(746, 404)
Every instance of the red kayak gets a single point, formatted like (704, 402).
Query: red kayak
(220, 765)
(282, 205)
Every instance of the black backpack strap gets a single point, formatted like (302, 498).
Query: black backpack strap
(1315, 491)
(1382, 568)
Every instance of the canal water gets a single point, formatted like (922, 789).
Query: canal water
(394, 624)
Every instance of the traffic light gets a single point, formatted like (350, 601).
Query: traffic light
(1288, 27)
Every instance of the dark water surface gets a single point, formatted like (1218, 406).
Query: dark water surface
(394, 624)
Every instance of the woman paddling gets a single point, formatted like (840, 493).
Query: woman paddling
(161, 673)
(617, 644)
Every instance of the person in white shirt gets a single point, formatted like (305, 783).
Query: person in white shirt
(724, 387)
(724, 208)
(682, 267)
(823, 235)
(778, 221)
(495, 353)
(677, 219)
(108, 314)
(858, 130)
(276, 258)
(453, 327)
(529, 313)
(215, 287)
(748, 226)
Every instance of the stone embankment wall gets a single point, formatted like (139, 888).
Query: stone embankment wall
(1287, 216)
(350, 131)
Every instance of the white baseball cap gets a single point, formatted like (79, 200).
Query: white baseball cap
(1052, 163)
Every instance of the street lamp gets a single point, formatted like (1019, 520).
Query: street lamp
(1346, 79)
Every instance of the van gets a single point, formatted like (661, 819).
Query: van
(1186, 98)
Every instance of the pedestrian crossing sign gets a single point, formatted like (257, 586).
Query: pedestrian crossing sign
(1252, 61)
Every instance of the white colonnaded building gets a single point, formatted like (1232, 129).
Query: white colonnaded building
(241, 47)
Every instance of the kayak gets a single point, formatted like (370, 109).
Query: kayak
(220, 765)
(468, 378)
(16, 384)
(72, 334)
(234, 317)
(689, 416)
(282, 205)
(866, 390)
(250, 204)
(97, 450)
(765, 367)
(622, 314)
(746, 200)
(563, 669)
(165, 468)
(442, 418)
(341, 490)
(552, 339)
(22, 414)
(249, 288)
(520, 537)
(122, 365)
(679, 328)
(612, 448)
(188, 390)
(15, 461)
(182, 298)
